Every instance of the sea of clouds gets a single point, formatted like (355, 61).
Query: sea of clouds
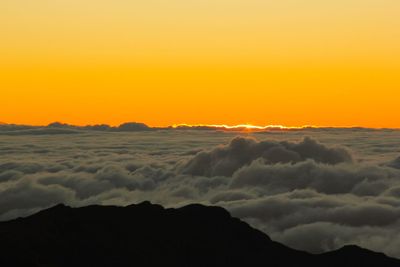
(311, 189)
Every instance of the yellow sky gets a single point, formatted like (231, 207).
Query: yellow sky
(163, 62)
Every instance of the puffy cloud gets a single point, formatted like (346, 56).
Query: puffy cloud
(84, 185)
(225, 160)
(326, 236)
(10, 175)
(228, 196)
(26, 196)
(288, 210)
(24, 167)
(324, 178)
(307, 220)
(395, 163)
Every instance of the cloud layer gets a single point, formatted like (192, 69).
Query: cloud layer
(287, 184)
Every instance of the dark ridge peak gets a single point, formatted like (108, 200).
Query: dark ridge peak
(61, 209)
(60, 206)
(349, 249)
(146, 234)
(196, 209)
(206, 210)
(352, 255)
(58, 124)
(134, 126)
(146, 205)
(355, 250)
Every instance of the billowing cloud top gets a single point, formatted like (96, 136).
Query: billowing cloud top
(225, 160)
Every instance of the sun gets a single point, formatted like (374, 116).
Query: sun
(241, 127)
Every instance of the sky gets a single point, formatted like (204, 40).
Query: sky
(288, 62)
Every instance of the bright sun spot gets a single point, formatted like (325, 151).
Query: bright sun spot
(241, 127)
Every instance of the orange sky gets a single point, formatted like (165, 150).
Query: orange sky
(289, 62)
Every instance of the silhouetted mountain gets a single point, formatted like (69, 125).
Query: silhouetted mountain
(133, 127)
(149, 235)
(60, 125)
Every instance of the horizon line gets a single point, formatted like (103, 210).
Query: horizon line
(232, 127)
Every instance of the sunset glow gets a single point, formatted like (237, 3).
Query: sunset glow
(243, 127)
(233, 62)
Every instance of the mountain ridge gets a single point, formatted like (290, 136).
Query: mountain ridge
(147, 234)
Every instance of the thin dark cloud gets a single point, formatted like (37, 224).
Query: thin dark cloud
(63, 128)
